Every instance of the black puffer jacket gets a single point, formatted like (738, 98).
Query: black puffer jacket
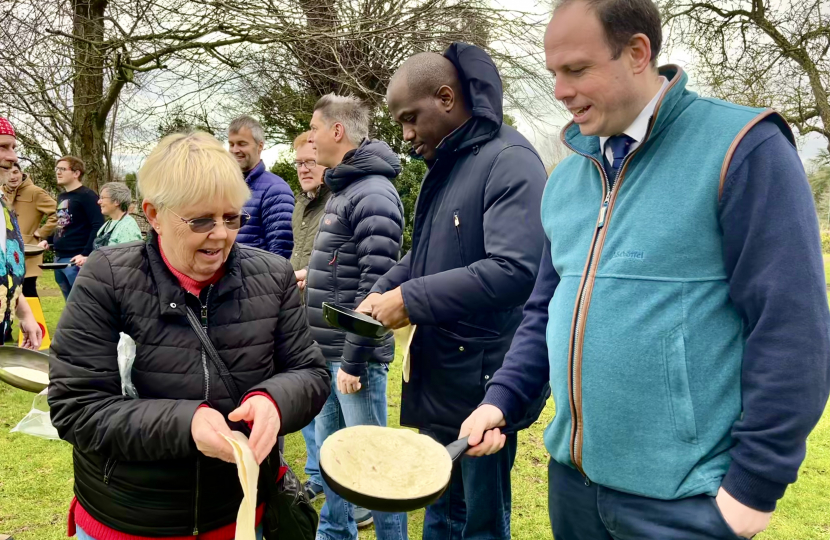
(359, 240)
(137, 469)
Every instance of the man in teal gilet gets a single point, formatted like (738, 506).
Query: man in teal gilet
(680, 310)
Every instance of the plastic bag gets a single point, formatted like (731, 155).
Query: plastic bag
(126, 357)
(37, 422)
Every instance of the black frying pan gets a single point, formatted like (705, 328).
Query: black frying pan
(18, 357)
(353, 321)
(55, 266)
(454, 450)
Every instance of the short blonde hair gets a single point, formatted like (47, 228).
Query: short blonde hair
(301, 139)
(188, 168)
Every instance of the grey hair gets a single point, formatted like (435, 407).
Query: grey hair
(349, 111)
(246, 121)
(119, 193)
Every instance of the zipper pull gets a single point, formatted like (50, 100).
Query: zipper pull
(455, 218)
(603, 210)
(204, 316)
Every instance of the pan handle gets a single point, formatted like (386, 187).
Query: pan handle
(457, 448)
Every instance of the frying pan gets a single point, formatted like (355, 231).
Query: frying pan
(55, 266)
(353, 321)
(30, 250)
(18, 357)
(454, 450)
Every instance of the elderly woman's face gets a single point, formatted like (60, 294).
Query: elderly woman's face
(108, 206)
(197, 255)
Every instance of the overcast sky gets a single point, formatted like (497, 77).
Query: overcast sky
(540, 128)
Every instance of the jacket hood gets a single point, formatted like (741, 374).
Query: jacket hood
(371, 158)
(483, 94)
(14, 191)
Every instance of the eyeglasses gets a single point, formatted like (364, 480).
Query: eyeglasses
(206, 224)
(309, 164)
(61, 169)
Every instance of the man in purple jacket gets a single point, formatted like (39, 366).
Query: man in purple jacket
(272, 201)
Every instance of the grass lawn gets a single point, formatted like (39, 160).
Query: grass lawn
(36, 475)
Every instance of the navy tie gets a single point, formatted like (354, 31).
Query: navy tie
(620, 144)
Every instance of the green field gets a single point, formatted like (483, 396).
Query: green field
(36, 475)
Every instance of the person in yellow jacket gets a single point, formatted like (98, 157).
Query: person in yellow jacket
(31, 204)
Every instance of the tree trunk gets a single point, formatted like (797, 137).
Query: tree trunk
(88, 133)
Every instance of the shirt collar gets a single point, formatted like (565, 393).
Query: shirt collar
(638, 128)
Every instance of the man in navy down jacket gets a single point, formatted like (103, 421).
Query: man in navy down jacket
(358, 241)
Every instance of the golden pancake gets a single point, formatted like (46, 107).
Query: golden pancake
(386, 463)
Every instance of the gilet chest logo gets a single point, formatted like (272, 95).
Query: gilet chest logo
(629, 254)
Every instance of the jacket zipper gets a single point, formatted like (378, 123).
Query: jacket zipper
(109, 467)
(457, 223)
(333, 262)
(575, 368)
(204, 320)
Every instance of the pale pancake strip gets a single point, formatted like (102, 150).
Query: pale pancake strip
(248, 470)
(406, 355)
(30, 374)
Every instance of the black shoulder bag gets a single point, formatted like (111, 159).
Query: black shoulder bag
(288, 512)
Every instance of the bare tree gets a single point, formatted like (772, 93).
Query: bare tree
(363, 42)
(761, 53)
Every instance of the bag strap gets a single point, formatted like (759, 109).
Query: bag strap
(220, 366)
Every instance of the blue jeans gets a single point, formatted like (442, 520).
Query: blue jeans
(477, 504)
(580, 512)
(312, 467)
(364, 408)
(81, 535)
(66, 277)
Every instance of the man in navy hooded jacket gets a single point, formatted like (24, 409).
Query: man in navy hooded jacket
(476, 246)
(272, 202)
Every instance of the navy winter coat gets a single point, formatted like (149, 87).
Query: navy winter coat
(270, 207)
(358, 241)
(476, 245)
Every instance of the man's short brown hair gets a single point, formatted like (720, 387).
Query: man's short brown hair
(76, 164)
(300, 140)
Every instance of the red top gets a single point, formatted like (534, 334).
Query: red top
(81, 518)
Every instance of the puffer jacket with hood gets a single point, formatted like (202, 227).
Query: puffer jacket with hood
(359, 241)
(476, 246)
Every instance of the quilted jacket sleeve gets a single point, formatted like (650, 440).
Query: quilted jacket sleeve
(397, 276)
(277, 208)
(85, 400)
(377, 222)
(302, 383)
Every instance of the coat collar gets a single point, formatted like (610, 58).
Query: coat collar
(171, 294)
(673, 102)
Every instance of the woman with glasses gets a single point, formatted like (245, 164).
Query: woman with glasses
(156, 465)
(115, 200)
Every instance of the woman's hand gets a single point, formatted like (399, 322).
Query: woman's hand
(32, 334)
(205, 428)
(262, 413)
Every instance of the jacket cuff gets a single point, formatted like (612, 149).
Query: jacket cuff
(503, 399)
(416, 302)
(752, 490)
(263, 394)
(355, 369)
